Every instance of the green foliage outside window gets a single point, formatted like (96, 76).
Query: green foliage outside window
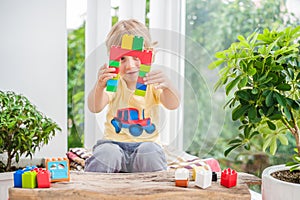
(214, 25)
(76, 56)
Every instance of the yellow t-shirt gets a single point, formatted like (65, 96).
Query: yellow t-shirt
(132, 118)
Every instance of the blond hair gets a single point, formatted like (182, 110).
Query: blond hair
(131, 27)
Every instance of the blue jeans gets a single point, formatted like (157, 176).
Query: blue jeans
(112, 157)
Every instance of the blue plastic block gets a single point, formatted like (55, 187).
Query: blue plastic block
(58, 169)
(112, 82)
(18, 175)
(18, 178)
(141, 86)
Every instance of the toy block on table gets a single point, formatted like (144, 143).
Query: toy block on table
(203, 177)
(229, 178)
(18, 175)
(130, 46)
(29, 179)
(181, 177)
(59, 169)
(43, 178)
(214, 177)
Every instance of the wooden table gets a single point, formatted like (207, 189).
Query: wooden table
(155, 185)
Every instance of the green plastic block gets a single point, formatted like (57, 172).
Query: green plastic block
(111, 88)
(29, 179)
(145, 68)
(114, 63)
(140, 92)
(138, 43)
(142, 74)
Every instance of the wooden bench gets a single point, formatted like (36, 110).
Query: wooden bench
(154, 185)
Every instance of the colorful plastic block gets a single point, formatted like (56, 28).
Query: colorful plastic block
(214, 176)
(195, 169)
(131, 46)
(59, 169)
(29, 179)
(182, 177)
(229, 178)
(203, 177)
(43, 178)
(18, 176)
(127, 41)
(138, 43)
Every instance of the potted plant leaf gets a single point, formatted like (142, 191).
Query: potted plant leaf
(261, 74)
(23, 129)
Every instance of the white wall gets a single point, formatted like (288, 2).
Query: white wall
(33, 54)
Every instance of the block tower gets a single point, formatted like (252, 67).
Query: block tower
(131, 46)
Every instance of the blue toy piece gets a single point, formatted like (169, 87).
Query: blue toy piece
(18, 176)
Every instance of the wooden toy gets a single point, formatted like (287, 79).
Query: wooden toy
(203, 177)
(182, 177)
(29, 179)
(131, 46)
(229, 178)
(59, 169)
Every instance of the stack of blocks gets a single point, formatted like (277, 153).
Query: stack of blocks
(229, 178)
(32, 177)
(59, 169)
(182, 177)
(131, 46)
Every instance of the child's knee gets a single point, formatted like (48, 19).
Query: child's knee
(106, 157)
(149, 148)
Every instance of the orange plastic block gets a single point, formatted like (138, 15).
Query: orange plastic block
(181, 183)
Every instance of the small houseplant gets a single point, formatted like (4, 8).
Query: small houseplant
(23, 129)
(261, 74)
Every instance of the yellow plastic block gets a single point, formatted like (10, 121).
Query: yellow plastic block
(145, 68)
(127, 41)
(140, 93)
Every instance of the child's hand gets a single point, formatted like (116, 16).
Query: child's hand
(158, 78)
(104, 74)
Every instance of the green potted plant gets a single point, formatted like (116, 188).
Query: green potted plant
(23, 130)
(261, 74)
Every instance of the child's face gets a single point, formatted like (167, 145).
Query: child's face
(129, 68)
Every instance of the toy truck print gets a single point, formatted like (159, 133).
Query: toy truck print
(129, 118)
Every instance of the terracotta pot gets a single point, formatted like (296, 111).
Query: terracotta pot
(274, 189)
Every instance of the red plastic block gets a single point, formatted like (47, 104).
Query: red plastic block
(229, 178)
(117, 52)
(43, 178)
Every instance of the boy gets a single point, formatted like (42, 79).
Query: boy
(130, 149)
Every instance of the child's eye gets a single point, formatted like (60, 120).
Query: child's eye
(122, 58)
(136, 58)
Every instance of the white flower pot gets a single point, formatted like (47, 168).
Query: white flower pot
(274, 189)
(6, 181)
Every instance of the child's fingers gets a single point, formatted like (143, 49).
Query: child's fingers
(154, 72)
(158, 80)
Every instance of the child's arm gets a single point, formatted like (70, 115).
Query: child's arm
(169, 97)
(98, 98)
